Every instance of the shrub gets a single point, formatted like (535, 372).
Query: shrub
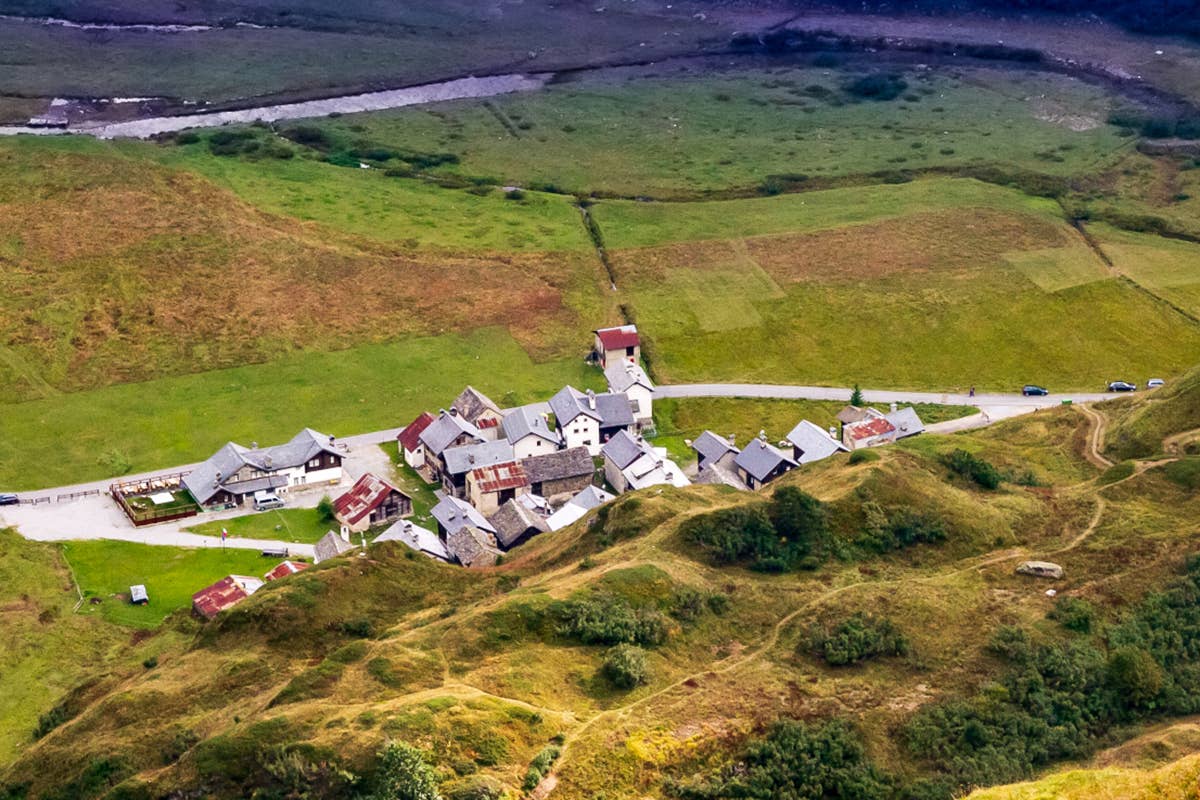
(1135, 676)
(857, 638)
(788, 532)
(187, 137)
(974, 468)
(733, 535)
(1185, 473)
(151, 662)
(1117, 472)
(625, 666)
(799, 518)
(514, 194)
(403, 774)
(539, 767)
(361, 628)
(881, 86)
(863, 456)
(798, 760)
(885, 531)
(610, 620)
(1074, 614)
(325, 510)
(479, 787)
(778, 184)
(309, 136)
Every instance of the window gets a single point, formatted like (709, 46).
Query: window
(316, 462)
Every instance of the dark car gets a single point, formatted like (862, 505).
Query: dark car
(9, 500)
(1122, 386)
(1031, 390)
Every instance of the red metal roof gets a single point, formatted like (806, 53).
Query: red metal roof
(410, 437)
(285, 568)
(618, 338)
(486, 422)
(223, 594)
(498, 477)
(367, 494)
(870, 428)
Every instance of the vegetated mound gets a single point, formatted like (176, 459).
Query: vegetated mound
(665, 637)
(1143, 426)
(119, 270)
(1179, 779)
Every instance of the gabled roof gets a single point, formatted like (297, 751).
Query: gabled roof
(461, 460)
(472, 547)
(210, 477)
(610, 409)
(472, 403)
(513, 521)
(618, 338)
(452, 514)
(906, 422)
(577, 506)
(851, 414)
(368, 493)
(285, 568)
(420, 539)
(498, 477)
(870, 428)
(760, 458)
(526, 421)
(225, 593)
(625, 374)
(440, 433)
(654, 469)
(331, 545)
(574, 462)
(623, 449)
(710, 447)
(813, 442)
(410, 437)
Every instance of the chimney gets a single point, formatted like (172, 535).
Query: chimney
(687, 442)
(591, 399)
(832, 431)
(470, 458)
(254, 445)
(893, 406)
(733, 439)
(762, 439)
(453, 411)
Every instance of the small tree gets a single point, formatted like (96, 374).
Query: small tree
(625, 666)
(325, 509)
(856, 398)
(404, 775)
(1135, 676)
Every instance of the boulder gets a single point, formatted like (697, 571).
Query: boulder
(1040, 569)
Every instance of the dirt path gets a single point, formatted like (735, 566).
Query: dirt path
(1095, 440)
(1172, 444)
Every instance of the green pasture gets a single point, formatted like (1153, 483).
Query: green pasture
(301, 525)
(1167, 267)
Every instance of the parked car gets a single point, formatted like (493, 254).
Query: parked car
(1122, 386)
(1154, 383)
(1030, 390)
(9, 500)
(264, 501)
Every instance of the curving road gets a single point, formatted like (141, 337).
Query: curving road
(785, 392)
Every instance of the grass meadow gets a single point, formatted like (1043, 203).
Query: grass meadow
(691, 127)
(301, 525)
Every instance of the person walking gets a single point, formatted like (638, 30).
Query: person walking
(972, 394)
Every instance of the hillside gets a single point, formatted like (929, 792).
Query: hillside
(910, 578)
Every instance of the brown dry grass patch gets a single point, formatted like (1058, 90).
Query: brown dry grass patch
(114, 270)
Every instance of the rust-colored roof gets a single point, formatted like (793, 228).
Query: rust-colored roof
(618, 338)
(486, 422)
(367, 494)
(223, 594)
(498, 477)
(870, 428)
(410, 437)
(285, 568)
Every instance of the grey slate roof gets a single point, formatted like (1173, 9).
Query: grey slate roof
(513, 520)
(472, 547)
(711, 447)
(717, 475)
(625, 374)
(471, 404)
(570, 463)
(525, 421)
(813, 442)
(612, 408)
(418, 538)
(592, 497)
(906, 421)
(473, 456)
(331, 545)
(438, 435)
(203, 482)
(453, 514)
(623, 449)
(760, 458)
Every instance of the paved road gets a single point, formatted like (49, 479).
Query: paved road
(1010, 401)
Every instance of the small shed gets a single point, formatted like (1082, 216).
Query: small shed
(138, 595)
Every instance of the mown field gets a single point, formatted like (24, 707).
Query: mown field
(702, 126)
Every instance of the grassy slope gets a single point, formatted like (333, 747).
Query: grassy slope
(47, 648)
(444, 639)
(1174, 781)
(690, 129)
(1138, 426)
(283, 524)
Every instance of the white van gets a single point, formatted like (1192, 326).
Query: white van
(264, 501)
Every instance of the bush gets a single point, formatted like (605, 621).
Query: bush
(1135, 676)
(863, 456)
(1074, 614)
(733, 535)
(881, 86)
(187, 137)
(361, 628)
(539, 767)
(403, 774)
(799, 518)
(309, 136)
(974, 468)
(610, 620)
(1117, 472)
(151, 662)
(797, 760)
(325, 510)
(857, 638)
(787, 533)
(885, 531)
(625, 666)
